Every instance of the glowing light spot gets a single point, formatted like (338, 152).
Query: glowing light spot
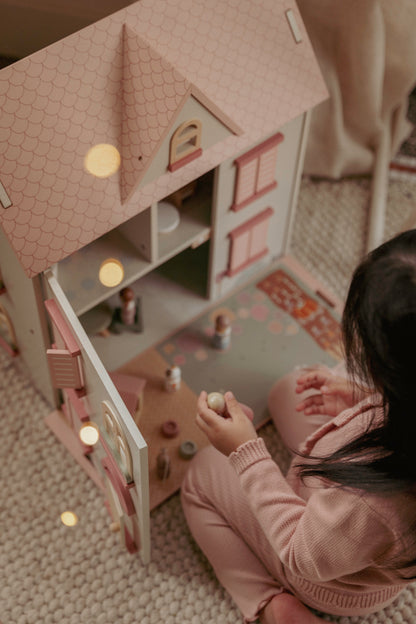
(69, 518)
(111, 272)
(102, 160)
(89, 433)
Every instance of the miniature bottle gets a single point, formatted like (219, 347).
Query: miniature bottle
(173, 378)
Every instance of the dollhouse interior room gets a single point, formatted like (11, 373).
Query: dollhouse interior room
(185, 189)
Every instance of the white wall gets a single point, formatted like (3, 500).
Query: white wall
(282, 200)
(24, 304)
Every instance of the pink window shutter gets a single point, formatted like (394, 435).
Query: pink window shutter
(240, 251)
(267, 169)
(256, 171)
(248, 242)
(259, 238)
(64, 368)
(246, 182)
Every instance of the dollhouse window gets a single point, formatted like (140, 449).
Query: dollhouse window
(117, 438)
(185, 144)
(256, 172)
(249, 242)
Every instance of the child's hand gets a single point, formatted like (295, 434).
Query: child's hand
(227, 432)
(335, 394)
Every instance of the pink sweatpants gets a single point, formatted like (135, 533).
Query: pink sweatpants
(221, 521)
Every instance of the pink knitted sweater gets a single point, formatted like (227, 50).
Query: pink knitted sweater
(334, 543)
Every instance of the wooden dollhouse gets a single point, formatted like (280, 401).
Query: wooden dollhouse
(169, 129)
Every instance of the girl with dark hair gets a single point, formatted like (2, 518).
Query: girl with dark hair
(338, 532)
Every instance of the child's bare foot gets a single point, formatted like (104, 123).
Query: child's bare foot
(287, 609)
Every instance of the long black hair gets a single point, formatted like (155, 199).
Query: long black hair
(379, 340)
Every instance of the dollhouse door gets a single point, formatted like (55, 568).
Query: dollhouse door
(88, 395)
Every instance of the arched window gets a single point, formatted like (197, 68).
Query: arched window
(185, 144)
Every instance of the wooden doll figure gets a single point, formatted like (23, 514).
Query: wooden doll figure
(222, 336)
(163, 465)
(128, 306)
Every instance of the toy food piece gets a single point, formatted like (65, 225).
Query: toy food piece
(216, 402)
(170, 429)
(187, 449)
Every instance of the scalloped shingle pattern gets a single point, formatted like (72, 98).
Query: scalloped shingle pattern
(60, 101)
(153, 91)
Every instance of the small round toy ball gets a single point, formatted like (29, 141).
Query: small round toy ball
(216, 402)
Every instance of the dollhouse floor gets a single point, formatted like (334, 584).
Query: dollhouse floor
(278, 321)
(170, 297)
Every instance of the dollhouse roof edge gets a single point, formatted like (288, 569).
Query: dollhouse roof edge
(154, 92)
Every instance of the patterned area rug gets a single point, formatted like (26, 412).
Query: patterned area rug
(277, 323)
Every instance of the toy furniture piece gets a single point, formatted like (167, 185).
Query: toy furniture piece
(131, 390)
(99, 128)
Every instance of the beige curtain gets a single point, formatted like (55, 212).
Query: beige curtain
(367, 53)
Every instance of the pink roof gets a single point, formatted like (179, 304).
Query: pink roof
(122, 81)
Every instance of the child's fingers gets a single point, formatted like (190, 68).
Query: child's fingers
(203, 424)
(311, 380)
(233, 407)
(316, 400)
(247, 411)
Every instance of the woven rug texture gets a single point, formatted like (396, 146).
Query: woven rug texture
(53, 574)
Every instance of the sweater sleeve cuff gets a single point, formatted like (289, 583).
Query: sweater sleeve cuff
(248, 453)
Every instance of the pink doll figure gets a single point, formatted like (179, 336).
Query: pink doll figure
(222, 335)
(128, 306)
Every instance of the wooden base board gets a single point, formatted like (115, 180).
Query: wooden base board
(159, 406)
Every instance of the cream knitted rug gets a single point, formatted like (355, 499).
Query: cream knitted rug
(52, 574)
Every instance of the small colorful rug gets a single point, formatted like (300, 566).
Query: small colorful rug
(277, 323)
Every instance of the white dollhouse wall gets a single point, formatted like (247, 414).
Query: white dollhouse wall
(99, 397)
(281, 200)
(21, 301)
